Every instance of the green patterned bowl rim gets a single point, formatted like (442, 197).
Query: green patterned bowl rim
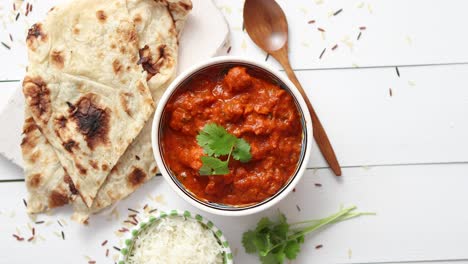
(129, 242)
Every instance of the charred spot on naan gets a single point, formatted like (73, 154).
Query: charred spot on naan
(34, 180)
(117, 66)
(137, 19)
(93, 121)
(82, 170)
(93, 164)
(153, 65)
(35, 156)
(29, 140)
(58, 198)
(71, 186)
(38, 97)
(104, 167)
(57, 59)
(35, 34)
(70, 145)
(101, 16)
(136, 177)
(124, 98)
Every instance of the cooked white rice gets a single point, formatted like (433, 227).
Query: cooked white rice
(176, 240)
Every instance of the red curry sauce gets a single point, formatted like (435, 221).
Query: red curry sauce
(248, 107)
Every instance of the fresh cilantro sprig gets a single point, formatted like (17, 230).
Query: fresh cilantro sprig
(275, 242)
(216, 142)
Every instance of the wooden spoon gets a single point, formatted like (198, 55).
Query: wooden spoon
(267, 26)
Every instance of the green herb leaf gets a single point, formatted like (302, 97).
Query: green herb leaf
(276, 242)
(263, 224)
(292, 249)
(270, 259)
(247, 241)
(242, 151)
(213, 166)
(215, 140)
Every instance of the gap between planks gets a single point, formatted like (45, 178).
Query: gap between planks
(343, 167)
(348, 68)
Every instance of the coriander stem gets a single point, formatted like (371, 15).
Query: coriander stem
(229, 156)
(340, 216)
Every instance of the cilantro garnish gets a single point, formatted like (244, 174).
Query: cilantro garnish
(216, 142)
(275, 242)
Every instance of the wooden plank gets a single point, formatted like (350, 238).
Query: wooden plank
(397, 32)
(419, 210)
(423, 121)
(372, 116)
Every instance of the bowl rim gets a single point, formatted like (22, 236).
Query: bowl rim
(158, 118)
(160, 214)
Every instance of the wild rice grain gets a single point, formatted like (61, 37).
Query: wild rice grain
(311, 22)
(228, 50)
(33, 231)
(123, 230)
(267, 56)
(116, 248)
(334, 47)
(107, 252)
(337, 12)
(152, 211)
(60, 224)
(133, 210)
(11, 37)
(104, 243)
(25, 203)
(17, 16)
(30, 239)
(359, 36)
(6, 46)
(39, 222)
(318, 185)
(319, 246)
(362, 28)
(321, 54)
(321, 29)
(298, 208)
(63, 235)
(18, 237)
(390, 92)
(397, 71)
(130, 222)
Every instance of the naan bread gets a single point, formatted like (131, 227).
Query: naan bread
(84, 88)
(137, 165)
(48, 185)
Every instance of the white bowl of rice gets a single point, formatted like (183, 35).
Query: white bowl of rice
(176, 237)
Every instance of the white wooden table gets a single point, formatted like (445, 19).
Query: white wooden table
(402, 140)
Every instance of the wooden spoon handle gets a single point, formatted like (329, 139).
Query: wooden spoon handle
(319, 132)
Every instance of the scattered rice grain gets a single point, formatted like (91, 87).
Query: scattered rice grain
(321, 54)
(337, 12)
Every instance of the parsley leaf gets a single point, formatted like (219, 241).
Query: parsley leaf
(216, 142)
(274, 242)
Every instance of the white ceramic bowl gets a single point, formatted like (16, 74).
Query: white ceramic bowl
(216, 208)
